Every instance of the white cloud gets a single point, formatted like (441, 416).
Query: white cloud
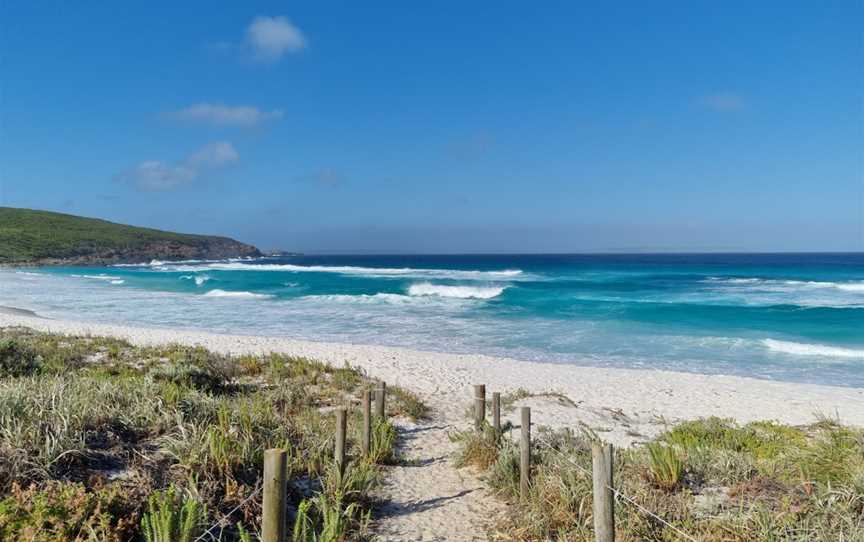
(723, 101)
(219, 114)
(213, 155)
(158, 176)
(269, 38)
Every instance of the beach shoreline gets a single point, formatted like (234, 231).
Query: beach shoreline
(624, 405)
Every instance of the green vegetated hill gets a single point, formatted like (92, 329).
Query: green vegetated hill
(41, 237)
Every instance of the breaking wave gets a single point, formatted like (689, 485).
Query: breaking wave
(242, 295)
(506, 274)
(847, 286)
(459, 292)
(199, 279)
(805, 349)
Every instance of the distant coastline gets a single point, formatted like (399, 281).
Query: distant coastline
(34, 238)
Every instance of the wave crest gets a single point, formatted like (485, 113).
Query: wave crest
(506, 274)
(199, 279)
(805, 349)
(458, 292)
(243, 295)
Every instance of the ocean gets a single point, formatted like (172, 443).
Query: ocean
(794, 317)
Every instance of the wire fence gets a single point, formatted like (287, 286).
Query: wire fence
(222, 520)
(619, 495)
(479, 421)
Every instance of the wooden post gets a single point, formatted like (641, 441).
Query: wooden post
(380, 395)
(525, 455)
(367, 421)
(274, 499)
(604, 504)
(341, 425)
(479, 406)
(496, 412)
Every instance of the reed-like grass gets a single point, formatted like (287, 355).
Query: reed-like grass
(101, 440)
(711, 478)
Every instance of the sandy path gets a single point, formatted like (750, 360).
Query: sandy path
(429, 499)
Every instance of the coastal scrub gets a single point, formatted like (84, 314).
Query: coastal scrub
(710, 478)
(102, 440)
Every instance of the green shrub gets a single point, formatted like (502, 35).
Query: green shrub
(186, 374)
(60, 512)
(16, 359)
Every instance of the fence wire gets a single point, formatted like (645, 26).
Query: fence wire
(229, 514)
(619, 495)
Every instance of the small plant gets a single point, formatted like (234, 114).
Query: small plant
(407, 404)
(383, 443)
(244, 535)
(479, 449)
(172, 517)
(666, 468)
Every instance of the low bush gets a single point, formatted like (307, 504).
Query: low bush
(16, 359)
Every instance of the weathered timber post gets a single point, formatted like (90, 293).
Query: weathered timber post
(604, 504)
(367, 421)
(525, 454)
(380, 397)
(274, 499)
(479, 406)
(341, 426)
(496, 412)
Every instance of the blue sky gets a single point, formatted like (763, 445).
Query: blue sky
(443, 127)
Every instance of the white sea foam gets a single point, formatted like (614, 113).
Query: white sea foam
(459, 292)
(117, 281)
(199, 279)
(506, 274)
(847, 286)
(804, 293)
(243, 295)
(805, 349)
(852, 287)
(393, 299)
(100, 276)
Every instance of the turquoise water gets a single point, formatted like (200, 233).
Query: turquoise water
(787, 317)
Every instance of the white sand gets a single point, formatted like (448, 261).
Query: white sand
(433, 501)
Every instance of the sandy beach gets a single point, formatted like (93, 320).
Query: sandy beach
(618, 402)
(430, 499)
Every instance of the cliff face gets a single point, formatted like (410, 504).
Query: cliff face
(215, 249)
(29, 237)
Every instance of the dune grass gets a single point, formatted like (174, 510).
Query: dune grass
(101, 440)
(711, 478)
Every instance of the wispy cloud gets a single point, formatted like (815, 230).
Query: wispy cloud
(213, 155)
(224, 115)
(158, 176)
(270, 38)
(723, 101)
